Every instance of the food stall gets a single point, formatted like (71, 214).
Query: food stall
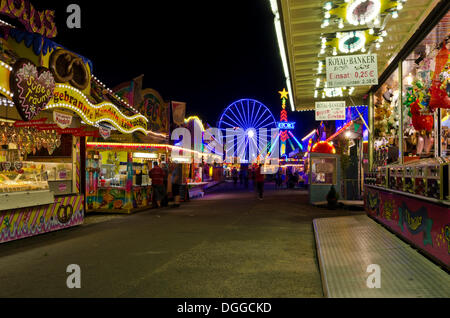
(39, 148)
(408, 189)
(117, 176)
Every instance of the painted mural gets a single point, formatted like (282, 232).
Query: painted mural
(424, 224)
(119, 199)
(17, 224)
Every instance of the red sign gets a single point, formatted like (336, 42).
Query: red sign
(32, 87)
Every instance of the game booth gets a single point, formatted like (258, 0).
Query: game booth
(408, 189)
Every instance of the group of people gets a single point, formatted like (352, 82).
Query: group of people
(166, 183)
(244, 174)
(292, 179)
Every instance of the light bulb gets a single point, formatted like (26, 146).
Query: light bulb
(327, 15)
(395, 14)
(371, 31)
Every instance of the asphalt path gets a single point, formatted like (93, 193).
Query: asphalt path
(226, 244)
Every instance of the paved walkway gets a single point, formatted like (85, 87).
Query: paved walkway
(228, 244)
(348, 245)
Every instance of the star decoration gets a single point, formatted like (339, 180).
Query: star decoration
(284, 93)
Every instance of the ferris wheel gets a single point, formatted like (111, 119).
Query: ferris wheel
(251, 122)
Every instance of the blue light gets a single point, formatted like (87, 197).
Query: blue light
(298, 143)
(286, 125)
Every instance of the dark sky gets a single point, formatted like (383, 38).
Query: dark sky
(205, 53)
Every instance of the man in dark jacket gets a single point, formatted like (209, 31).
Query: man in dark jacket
(157, 176)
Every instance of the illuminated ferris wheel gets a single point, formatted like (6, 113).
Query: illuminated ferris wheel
(251, 123)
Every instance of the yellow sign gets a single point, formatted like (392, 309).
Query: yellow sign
(67, 97)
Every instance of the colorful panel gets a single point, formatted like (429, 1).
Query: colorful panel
(65, 212)
(423, 223)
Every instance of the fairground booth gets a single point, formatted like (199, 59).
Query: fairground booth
(118, 164)
(41, 133)
(50, 104)
(408, 190)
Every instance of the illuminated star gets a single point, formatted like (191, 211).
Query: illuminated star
(284, 93)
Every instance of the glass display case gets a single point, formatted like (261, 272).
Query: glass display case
(59, 177)
(382, 177)
(22, 176)
(408, 183)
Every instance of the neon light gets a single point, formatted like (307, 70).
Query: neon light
(286, 125)
(298, 143)
(309, 135)
(279, 32)
(196, 119)
(339, 131)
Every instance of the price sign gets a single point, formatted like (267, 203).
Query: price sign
(330, 110)
(352, 70)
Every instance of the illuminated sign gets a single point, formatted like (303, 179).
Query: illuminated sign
(286, 125)
(67, 97)
(32, 87)
(34, 21)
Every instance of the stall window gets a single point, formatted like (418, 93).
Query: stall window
(323, 170)
(386, 122)
(422, 117)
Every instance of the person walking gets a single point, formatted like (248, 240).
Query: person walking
(176, 183)
(165, 199)
(278, 179)
(259, 182)
(157, 176)
(234, 174)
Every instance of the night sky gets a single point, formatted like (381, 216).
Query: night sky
(205, 53)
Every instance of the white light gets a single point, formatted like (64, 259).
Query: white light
(348, 134)
(251, 133)
(326, 22)
(375, 10)
(324, 45)
(380, 40)
(145, 155)
(377, 45)
(279, 32)
(371, 31)
(327, 15)
(341, 24)
(318, 82)
(328, 6)
(383, 33)
(399, 6)
(322, 51)
(395, 14)
(315, 93)
(181, 159)
(409, 79)
(334, 51)
(324, 40)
